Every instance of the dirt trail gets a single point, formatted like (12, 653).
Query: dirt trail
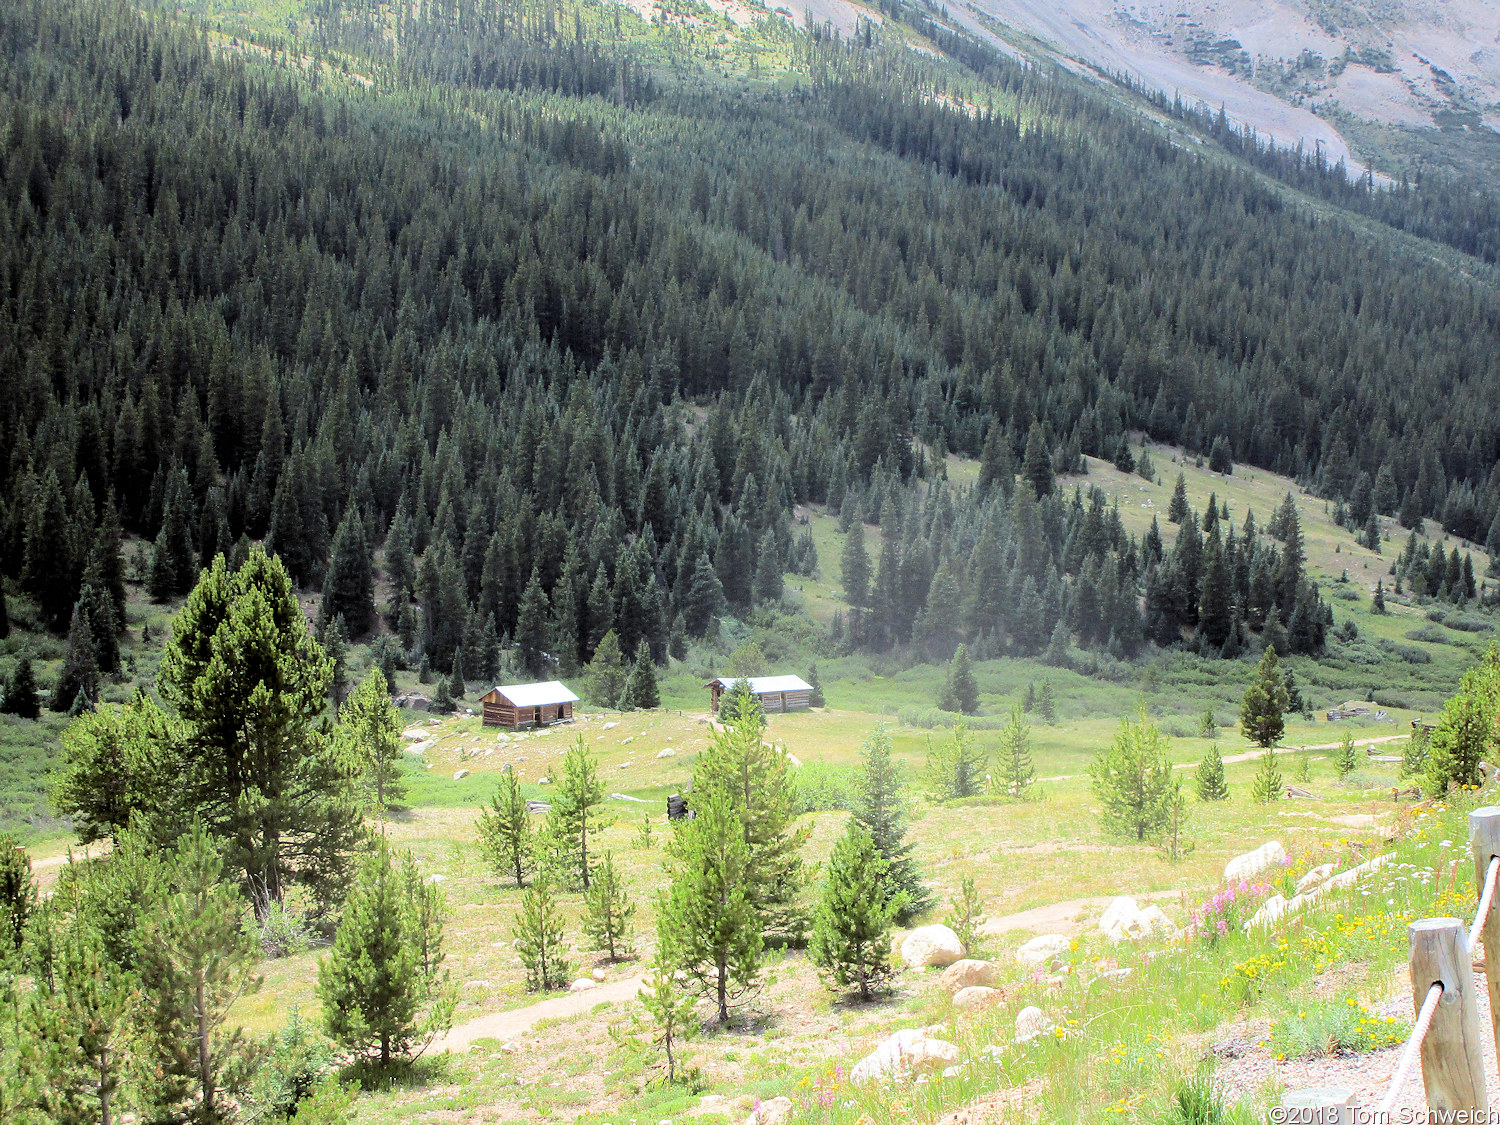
(1251, 755)
(1062, 917)
(518, 1021)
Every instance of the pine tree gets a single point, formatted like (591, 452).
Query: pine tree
(504, 831)
(1132, 780)
(767, 584)
(349, 588)
(382, 986)
(1371, 536)
(641, 693)
(607, 911)
(80, 671)
(1173, 846)
(670, 1008)
(1377, 604)
(98, 613)
(755, 780)
(1178, 510)
(368, 732)
(1268, 780)
(997, 466)
(956, 770)
(17, 893)
(248, 684)
(1459, 742)
(532, 625)
(539, 939)
(709, 908)
(815, 697)
(1015, 766)
(1346, 760)
(1264, 705)
(573, 818)
(82, 1019)
(20, 692)
(960, 692)
(879, 805)
(196, 958)
(1209, 780)
(851, 940)
(47, 567)
(173, 562)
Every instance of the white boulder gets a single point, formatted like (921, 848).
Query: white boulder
(977, 996)
(1251, 864)
(774, 1111)
(968, 973)
(609, 726)
(906, 1054)
(414, 734)
(667, 753)
(1125, 920)
(459, 775)
(1031, 1022)
(583, 984)
(1040, 950)
(931, 946)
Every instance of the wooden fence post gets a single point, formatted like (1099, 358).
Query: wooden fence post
(1452, 1058)
(1484, 840)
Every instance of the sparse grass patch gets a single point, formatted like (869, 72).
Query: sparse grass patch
(1333, 1027)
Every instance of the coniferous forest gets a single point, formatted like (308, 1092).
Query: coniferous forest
(565, 340)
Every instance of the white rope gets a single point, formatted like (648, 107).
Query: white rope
(1413, 1049)
(1486, 897)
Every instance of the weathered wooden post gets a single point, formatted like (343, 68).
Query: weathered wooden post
(1484, 841)
(1452, 1058)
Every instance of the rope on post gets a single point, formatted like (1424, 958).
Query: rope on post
(1413, 1049)
(1486, 900)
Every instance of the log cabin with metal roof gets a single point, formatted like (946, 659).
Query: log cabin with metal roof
(776, 693)
(527, 705)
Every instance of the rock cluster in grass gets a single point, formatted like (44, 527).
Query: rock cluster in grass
(1126, 920)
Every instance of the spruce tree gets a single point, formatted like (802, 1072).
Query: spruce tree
(1268, 779)
(1173, 846)
(604, 679)
(854, 568)
(767, 584)
(573, 818)
(960, 692)
(80, 671)
(1046, 705)
(504, 831)
(956, 770)
(20, 691)
(532, 626)
(1459, 742)
(641, 692)
(382, 986)
(815, 697)
(709, 908)
(1209, 780)
(1036, 466)
(539, 939)
(1264, 705)
(368, 732)
(1014, 763)
(851, 935)
(17, 893)
(173, 561)
(879, 806)
(1377, 604)
(47, 567)
(1178, 510)
(607, 911)
(348, 591)
(1132, 780)
(98, 613)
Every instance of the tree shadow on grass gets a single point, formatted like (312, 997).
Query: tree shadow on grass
(399, 1074)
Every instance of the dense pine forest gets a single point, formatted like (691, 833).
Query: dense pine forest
(558, 340)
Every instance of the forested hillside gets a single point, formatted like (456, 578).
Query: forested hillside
(558, 340)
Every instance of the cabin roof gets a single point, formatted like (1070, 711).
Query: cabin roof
(765, 685)
(536, 695)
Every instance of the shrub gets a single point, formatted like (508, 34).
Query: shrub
(1469, 624)
(1334, 1027)
(284, 932)
(1197, 1101)
(296, 1062)
(821, 787)
(1431, 634)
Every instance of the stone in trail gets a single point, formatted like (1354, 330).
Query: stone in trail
(1040, 950)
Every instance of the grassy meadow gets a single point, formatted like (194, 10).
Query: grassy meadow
(1141, 1034)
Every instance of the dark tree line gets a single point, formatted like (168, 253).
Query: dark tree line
(568, 371)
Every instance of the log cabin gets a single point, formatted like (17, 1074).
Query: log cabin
(776, 693)
(525, 705)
